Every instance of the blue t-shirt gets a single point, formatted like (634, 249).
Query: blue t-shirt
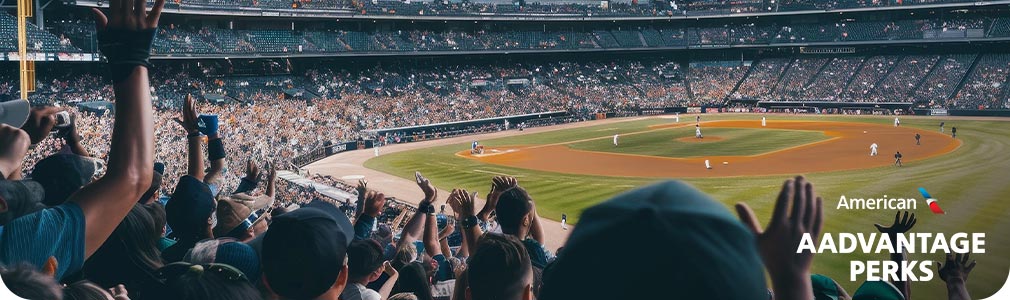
(57, 231)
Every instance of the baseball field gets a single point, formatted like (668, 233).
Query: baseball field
(574, 167)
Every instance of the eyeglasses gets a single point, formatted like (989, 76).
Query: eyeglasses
(175, 270)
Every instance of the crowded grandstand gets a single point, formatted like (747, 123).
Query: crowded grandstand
(124, 104)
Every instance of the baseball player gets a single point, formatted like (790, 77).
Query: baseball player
(941, 127)
(953, 132)
(697, 119)
(697, 132)
(897, 158)
(678, 117)
(708, 165)
(376, 150)
(917, 137)
(873, 149)
(615, 139)
(897, 122)
(564, 222)
(763, 122)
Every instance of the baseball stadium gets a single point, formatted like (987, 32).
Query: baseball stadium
(504, 150)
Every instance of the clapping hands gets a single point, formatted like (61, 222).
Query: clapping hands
(779, 241)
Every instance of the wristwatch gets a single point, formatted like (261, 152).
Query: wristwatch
(469, 222)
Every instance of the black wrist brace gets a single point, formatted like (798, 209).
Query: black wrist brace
(215, 149)
(126, 49)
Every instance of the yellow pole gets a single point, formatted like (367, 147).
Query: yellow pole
(27, 67)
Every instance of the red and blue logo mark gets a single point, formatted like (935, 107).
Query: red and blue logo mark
(932, 202)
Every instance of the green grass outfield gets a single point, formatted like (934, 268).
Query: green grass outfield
(736, 141)
(971, 183)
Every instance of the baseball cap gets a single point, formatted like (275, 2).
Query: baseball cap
(253, 202)
(684, 242)
(189, 207)
(877, 290)
(305, 250)
(825, 288)
(231, 218)
(19, 198)
(226, 251)
(14, 112)
(63, 174)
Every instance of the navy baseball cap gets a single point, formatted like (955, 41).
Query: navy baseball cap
(685, 243)
(19, 198)
(190, 206)
(305, 250)
(61, 175)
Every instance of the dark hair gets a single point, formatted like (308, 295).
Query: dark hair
(84, 290)
(129, 256)
(26, 282)
(499, 268)
(511, 209)
(413, 280)
(210, 285)
(363, 258)
(157, 212)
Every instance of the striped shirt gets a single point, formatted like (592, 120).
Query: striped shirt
(57, 231)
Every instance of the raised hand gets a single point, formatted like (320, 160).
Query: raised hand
(189, 120)
(956, 268)
(40, 122)
(375, 202)
(501, 184)
(128, 15)
(429, 190)
(900, 225)
(362, 186)
(790, 271)
(462, 202)
(252, 171)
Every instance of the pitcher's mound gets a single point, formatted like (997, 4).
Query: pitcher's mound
(691, 139)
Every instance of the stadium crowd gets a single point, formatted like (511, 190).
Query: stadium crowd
(67, 32)
(556, 9)
(93, 217)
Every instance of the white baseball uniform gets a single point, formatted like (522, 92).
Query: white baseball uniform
(615, 140)
(896, 122)
(763, 122)
(873, 149)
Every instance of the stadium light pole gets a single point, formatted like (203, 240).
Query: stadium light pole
(27, 67)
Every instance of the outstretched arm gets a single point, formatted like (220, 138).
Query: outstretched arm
(900, 226)
(789, 271)
(131, 157)
(193, 139)
(215, 149)
(955, 273)
(462, 202)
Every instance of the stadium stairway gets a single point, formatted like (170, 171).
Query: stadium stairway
(964, 79)
(782, 75)
(929, 73)
(886, 75)
(742, 79)
(852, 76)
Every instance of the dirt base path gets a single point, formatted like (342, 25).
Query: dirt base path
(848, 148)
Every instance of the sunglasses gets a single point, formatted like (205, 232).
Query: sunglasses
(175, 270)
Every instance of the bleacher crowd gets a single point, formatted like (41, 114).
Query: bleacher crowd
(95, 220)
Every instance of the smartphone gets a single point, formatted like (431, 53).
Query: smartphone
(62, 119)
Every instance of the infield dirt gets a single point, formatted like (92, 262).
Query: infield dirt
(847, 148)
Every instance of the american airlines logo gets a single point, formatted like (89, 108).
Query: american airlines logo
(932, 202)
